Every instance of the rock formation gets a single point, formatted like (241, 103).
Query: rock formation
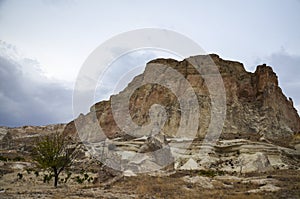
(260, 132)
(256, 107)
(261, 124)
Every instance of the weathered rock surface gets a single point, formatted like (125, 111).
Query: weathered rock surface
(234, 156)
(261, 130)
(256, 107)
(257, 153)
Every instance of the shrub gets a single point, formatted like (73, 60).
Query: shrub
(20, 175)
(210, 173)
(18, 159)
(28, 171)
(3, 158)
(54, 153)
(79, 180)
(36, 173)
(85, 177)
(47, 178)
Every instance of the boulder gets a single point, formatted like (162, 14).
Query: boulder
(257, 162)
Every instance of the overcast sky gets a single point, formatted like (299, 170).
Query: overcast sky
(44, 43)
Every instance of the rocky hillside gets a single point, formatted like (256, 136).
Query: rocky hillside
(256, 107)
(260, 132)
(256, 154)
(261, 129)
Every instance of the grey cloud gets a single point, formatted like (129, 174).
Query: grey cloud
(29, 98)
(2, 2)
(287, 68)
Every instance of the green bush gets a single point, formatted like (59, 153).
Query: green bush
(18, 158)
(85, 177)
(210, 173)
(79, 180)
(53, 152)
(47, 178)
(3, 158)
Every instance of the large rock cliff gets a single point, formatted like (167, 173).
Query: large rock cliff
(260, 131)
(256, 108)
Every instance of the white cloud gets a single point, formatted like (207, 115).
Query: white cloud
(287, 67)
(298, 108)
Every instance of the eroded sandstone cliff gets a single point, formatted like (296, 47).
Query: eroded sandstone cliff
(260, 131)
(256, 108)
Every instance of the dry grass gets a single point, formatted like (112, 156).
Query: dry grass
(149, 187)
(174, 187)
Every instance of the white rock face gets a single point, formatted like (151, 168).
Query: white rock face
(200, 181)
(267, 187)
(276, 161)
(129, 173)
(236, 156)
(191, 164)
(20, 165)
(257, 162)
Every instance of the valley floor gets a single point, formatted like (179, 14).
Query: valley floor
(182, 184)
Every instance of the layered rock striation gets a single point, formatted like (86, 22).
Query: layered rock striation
(256, 108)
(260, 131)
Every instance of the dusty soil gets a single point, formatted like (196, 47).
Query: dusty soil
(182, 184)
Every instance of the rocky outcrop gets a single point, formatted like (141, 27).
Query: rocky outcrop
(256, 107)
(261, 131)
(21, 137)
(234, 156)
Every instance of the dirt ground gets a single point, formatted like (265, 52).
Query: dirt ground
(182, 184)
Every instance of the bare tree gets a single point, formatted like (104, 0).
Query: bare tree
(55, 152)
